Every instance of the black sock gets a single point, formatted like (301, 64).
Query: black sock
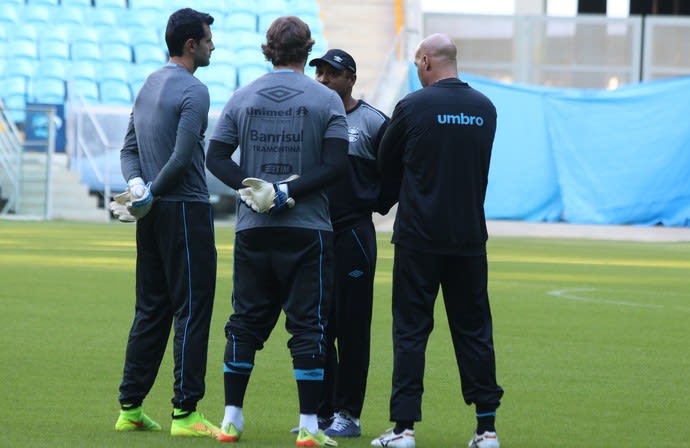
(486, 421)
(402, 425)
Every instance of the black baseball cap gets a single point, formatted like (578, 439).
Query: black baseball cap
(338, 59)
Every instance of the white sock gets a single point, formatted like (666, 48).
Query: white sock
(233, 415)
(310, 422)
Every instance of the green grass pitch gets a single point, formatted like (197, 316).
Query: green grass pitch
(592, 342)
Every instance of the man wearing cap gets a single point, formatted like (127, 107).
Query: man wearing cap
(352, 200)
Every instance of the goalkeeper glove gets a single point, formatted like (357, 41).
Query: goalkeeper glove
(265, 197)
(119, 207)
(141, 198)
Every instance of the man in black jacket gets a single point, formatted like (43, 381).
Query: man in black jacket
(438, 148)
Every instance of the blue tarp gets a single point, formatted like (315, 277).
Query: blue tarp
(589, 156)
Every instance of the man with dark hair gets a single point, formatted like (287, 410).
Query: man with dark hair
(352, 201)
(163, 158)
(292, 136)
(439, 145)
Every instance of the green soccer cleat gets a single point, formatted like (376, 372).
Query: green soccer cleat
(229, 433)
(135, 420)
(192, 424)
(318, 440)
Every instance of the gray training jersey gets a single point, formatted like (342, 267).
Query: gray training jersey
(279, 122)
(170, 97)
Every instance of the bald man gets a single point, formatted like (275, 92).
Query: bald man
(434, 156)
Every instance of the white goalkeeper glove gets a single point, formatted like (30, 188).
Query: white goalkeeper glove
(141, 198)
(119, 207)
(265, 197)
(134, 203)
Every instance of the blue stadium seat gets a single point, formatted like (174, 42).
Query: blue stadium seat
(8, 13)
(14, 90)
(48, 90)
(248, 73)
(23, 50)
(116, 51)
(265, 21)
(43, 2)
(25, 68)
(276, 7)
(54, 33)
(86, 51)
(242, 5)
(144, 4)
(53, 68)
(242, 39)
(82, 89)
(114, 71)
(304, 7)
(146, 36)
(102, 19)
(38, 14)
(69, 15)
(251, 56)
(76, 3)
(83, 70)
(218, 94)
(115, 4)
(53, 49)
(314, 21)
(23, 31)
(115, 93)
(147, 53)
(218, 73)
(223, 55)
(241, 20)
(84, 34)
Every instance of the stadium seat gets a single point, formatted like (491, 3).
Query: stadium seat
(251, 56)
(304, 7)
(314, 22)
(248, 73)
(53, 49)
(243, 39)
(102, 19)
(144, 4)
(48, 90)
(76, 3)
(146, 53)
(265, 21)
(82, 70)
(115, 4)
(81, 89)
(276, 7)
(43, 2)
(53, 68)
(112, 70)
(14, 91)
(218, 73)
(23, 49)
(241, 20)
(38, 14)
(243, 6)
(54, 33)
(8, 13)
(116, 51)
(23, 31)
(115, 93)
(146, 36)
(223, 55)
(218, 94)
(21, 67)
(69, 15)
(86, 51)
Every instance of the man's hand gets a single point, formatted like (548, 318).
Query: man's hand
(141, 200)
(265, 197)
(119, 207)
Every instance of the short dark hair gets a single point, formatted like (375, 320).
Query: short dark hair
(288, 41)
(185, 24)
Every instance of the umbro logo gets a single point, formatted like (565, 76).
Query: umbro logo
(279, 94)
(355, 274)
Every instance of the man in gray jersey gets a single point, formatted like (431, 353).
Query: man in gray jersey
(163, 158)
(352, 201)
(286, 125)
